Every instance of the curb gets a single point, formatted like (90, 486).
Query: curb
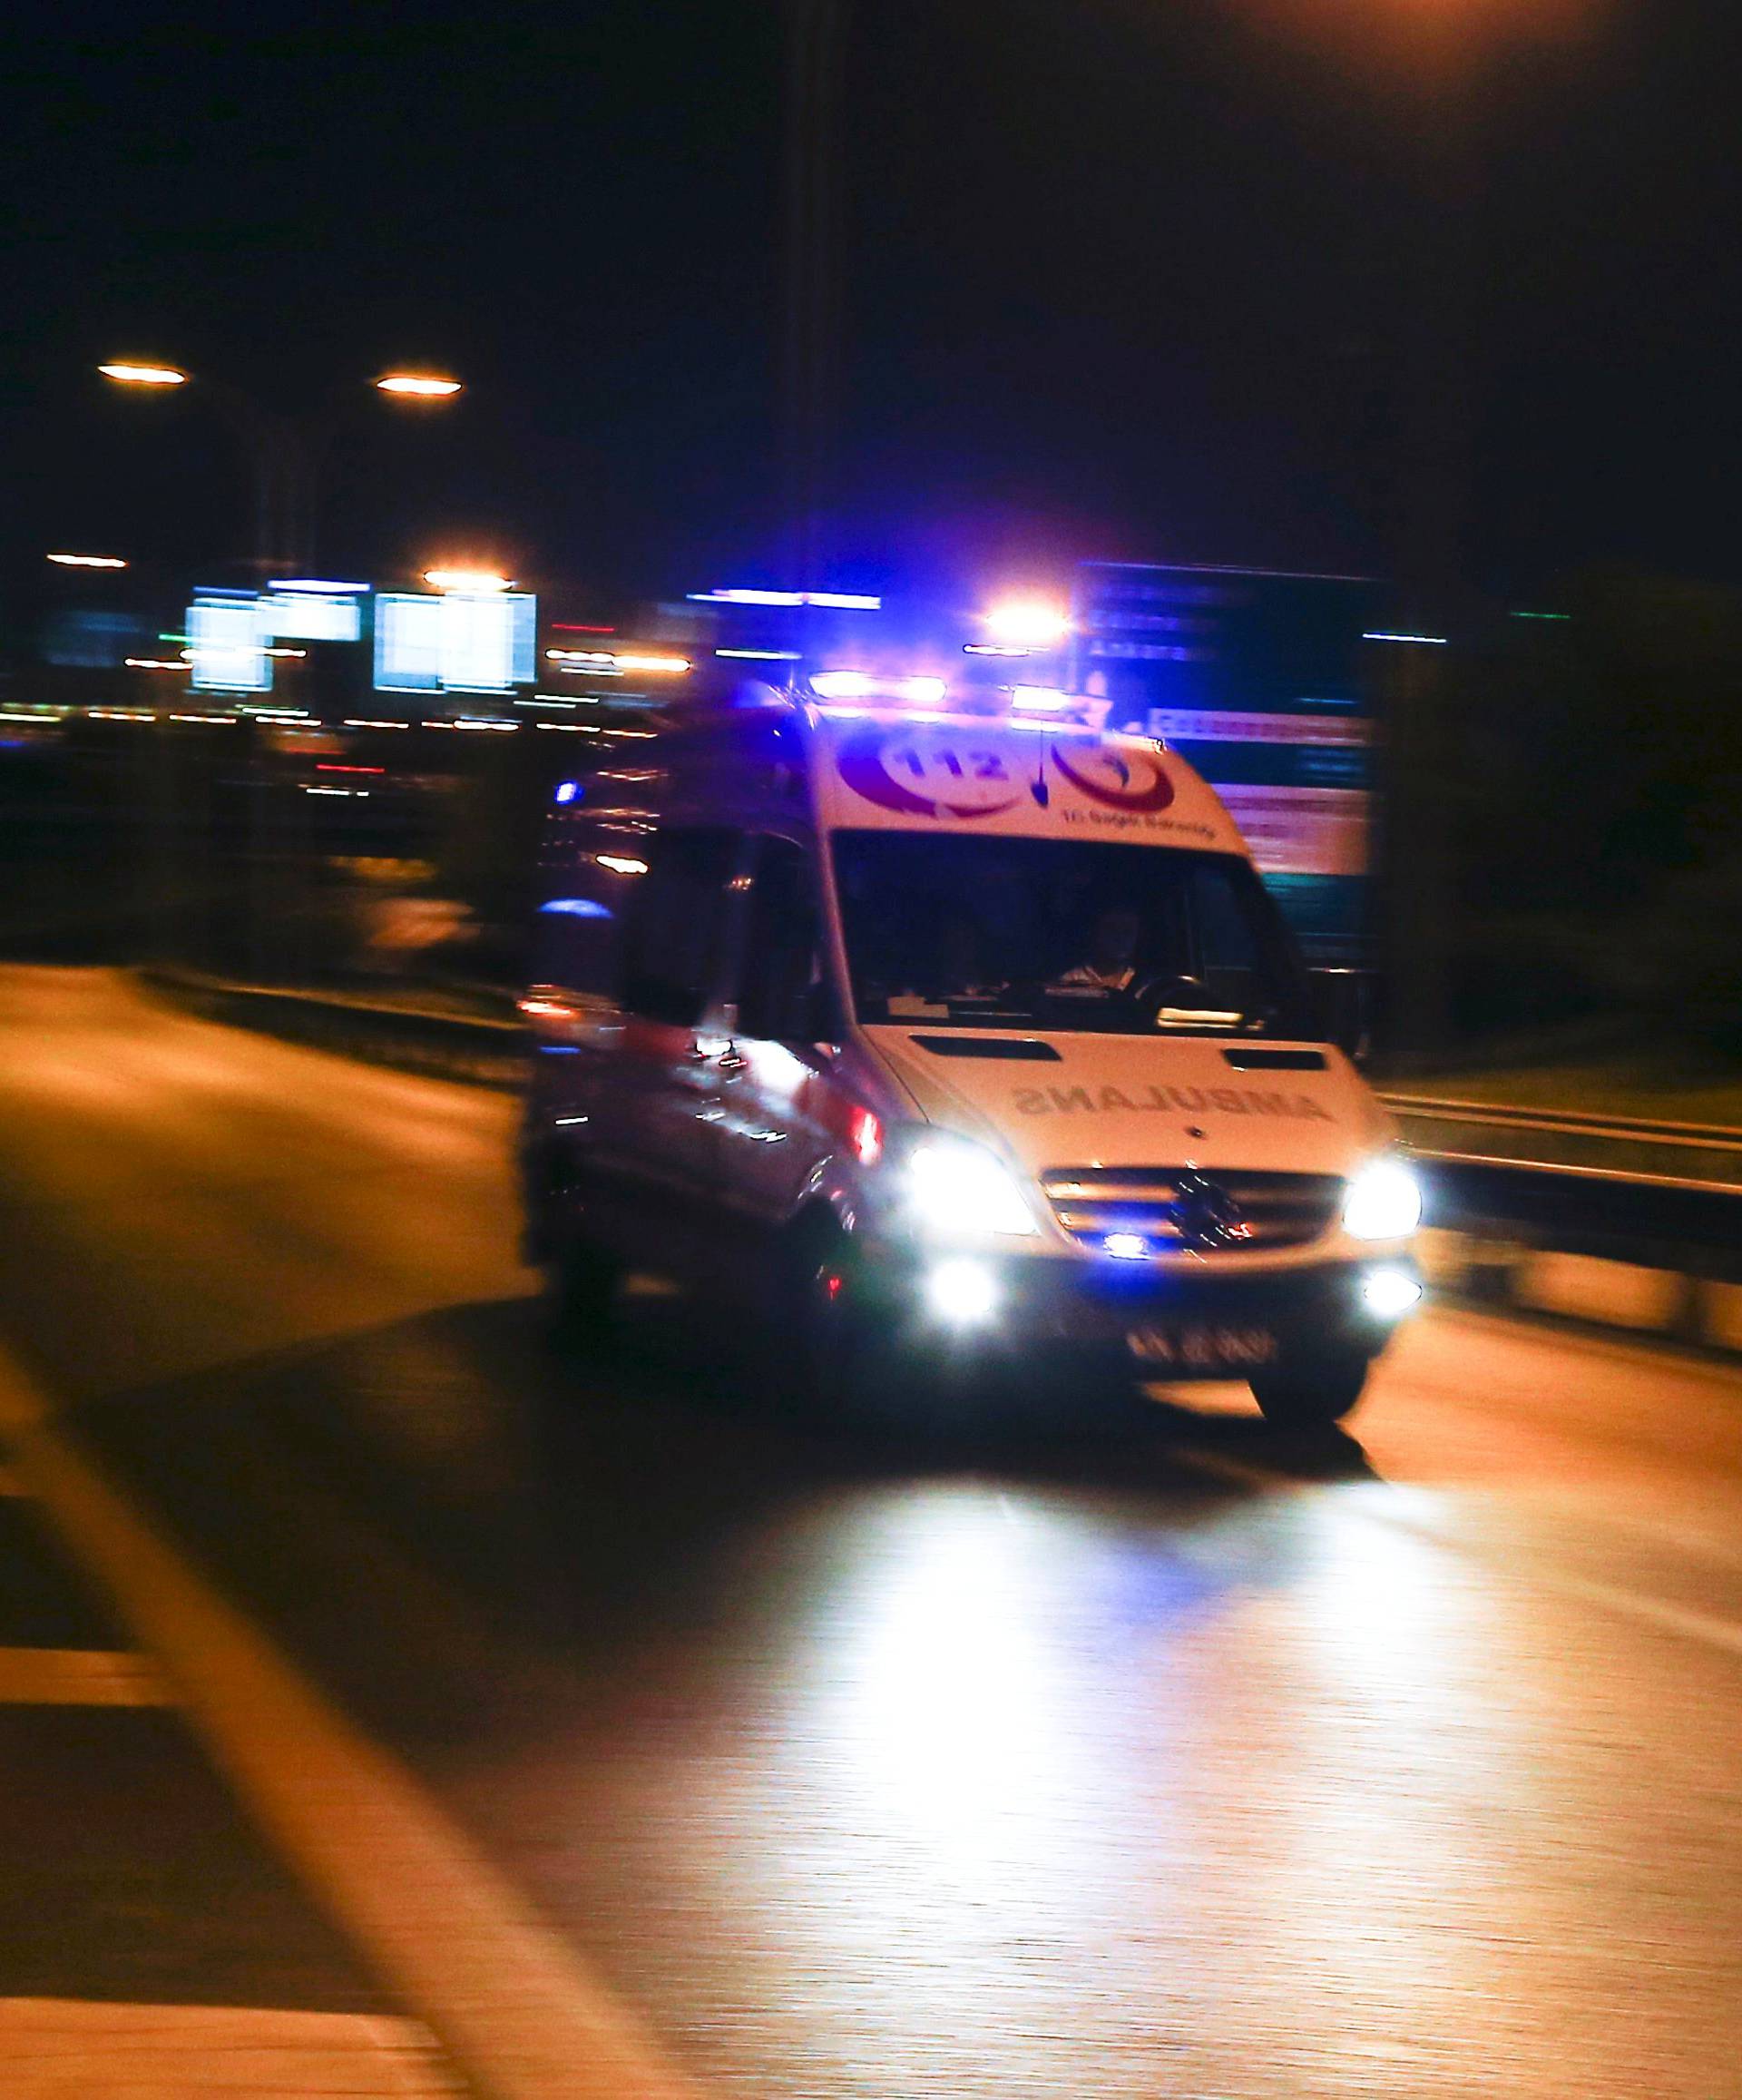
(1628, 1297)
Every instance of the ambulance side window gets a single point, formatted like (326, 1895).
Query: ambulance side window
(779, 996)
(675, 921)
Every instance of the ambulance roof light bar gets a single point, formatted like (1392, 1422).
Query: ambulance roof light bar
(854, 691)
(861, 686)
(837, 600)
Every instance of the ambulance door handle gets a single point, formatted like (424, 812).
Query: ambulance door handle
(733, 1062)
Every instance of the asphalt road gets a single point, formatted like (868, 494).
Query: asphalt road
(1205, 1765)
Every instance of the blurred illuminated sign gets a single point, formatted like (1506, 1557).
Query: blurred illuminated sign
(93, 639)
(462, 642)
(1256, 678)
(407, 644)
(304, 616)
(227, 646)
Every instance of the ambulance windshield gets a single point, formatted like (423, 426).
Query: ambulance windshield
(952, 929)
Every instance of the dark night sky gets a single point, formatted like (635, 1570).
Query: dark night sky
(1122, 277)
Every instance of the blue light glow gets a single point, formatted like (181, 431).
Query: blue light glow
(841, 600)
(577, 908)
(1126, 1246)
(567, 791)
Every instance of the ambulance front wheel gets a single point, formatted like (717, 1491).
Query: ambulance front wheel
(844, 1357)
(581, 1290)
(1311, 1392)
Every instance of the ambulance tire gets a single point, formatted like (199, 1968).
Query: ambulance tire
(1313, 1392)
(581, 1293)
(844, 1363)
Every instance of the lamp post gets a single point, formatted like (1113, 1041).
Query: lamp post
(285, 451)
(810, 342)
(1434, 53)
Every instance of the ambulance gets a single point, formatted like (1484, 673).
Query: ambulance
(948, 1037)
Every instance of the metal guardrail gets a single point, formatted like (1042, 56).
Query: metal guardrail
(1697, 1136)
(1652, 1220)
(482, 1049)
(1634, 1207)
(1675, 1172)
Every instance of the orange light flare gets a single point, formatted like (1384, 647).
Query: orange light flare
(1440, 33)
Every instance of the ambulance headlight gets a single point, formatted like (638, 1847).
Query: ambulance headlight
(960, 1190)
(1384, 1203)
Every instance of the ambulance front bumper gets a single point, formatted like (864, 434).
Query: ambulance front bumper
(1202, 1321)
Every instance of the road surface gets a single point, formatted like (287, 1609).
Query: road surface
(1205, 1765)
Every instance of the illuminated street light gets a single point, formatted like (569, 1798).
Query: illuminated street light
(89, 561)
(427, 386)
(1027, 626)
(286, 451)
(673, 666)
(467, 580)
(145, 375)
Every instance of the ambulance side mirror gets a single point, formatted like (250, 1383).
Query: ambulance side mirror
(1343, 1002)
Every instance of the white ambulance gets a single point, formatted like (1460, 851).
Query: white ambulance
(950, 1038)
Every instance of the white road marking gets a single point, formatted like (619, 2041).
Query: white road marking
(79, 1677)
(457, 1943)
(74, 2049)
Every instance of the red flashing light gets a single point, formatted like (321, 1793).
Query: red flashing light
(865, 1135)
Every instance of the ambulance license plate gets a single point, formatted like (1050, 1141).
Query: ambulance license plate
(1203, 1346)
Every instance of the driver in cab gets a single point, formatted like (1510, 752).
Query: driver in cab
(1111, 962)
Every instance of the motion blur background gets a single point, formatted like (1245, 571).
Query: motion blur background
(1443, 296)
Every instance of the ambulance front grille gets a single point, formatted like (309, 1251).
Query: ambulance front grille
(1172, 1210)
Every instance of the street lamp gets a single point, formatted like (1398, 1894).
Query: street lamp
(285, 450)
(473, 580)
(145, 375)
(420, 385)
(88, 561)
(1026, 625)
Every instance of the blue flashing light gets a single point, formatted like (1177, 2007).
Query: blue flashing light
(577, 908)
(567, 791)
(1126, 1246)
